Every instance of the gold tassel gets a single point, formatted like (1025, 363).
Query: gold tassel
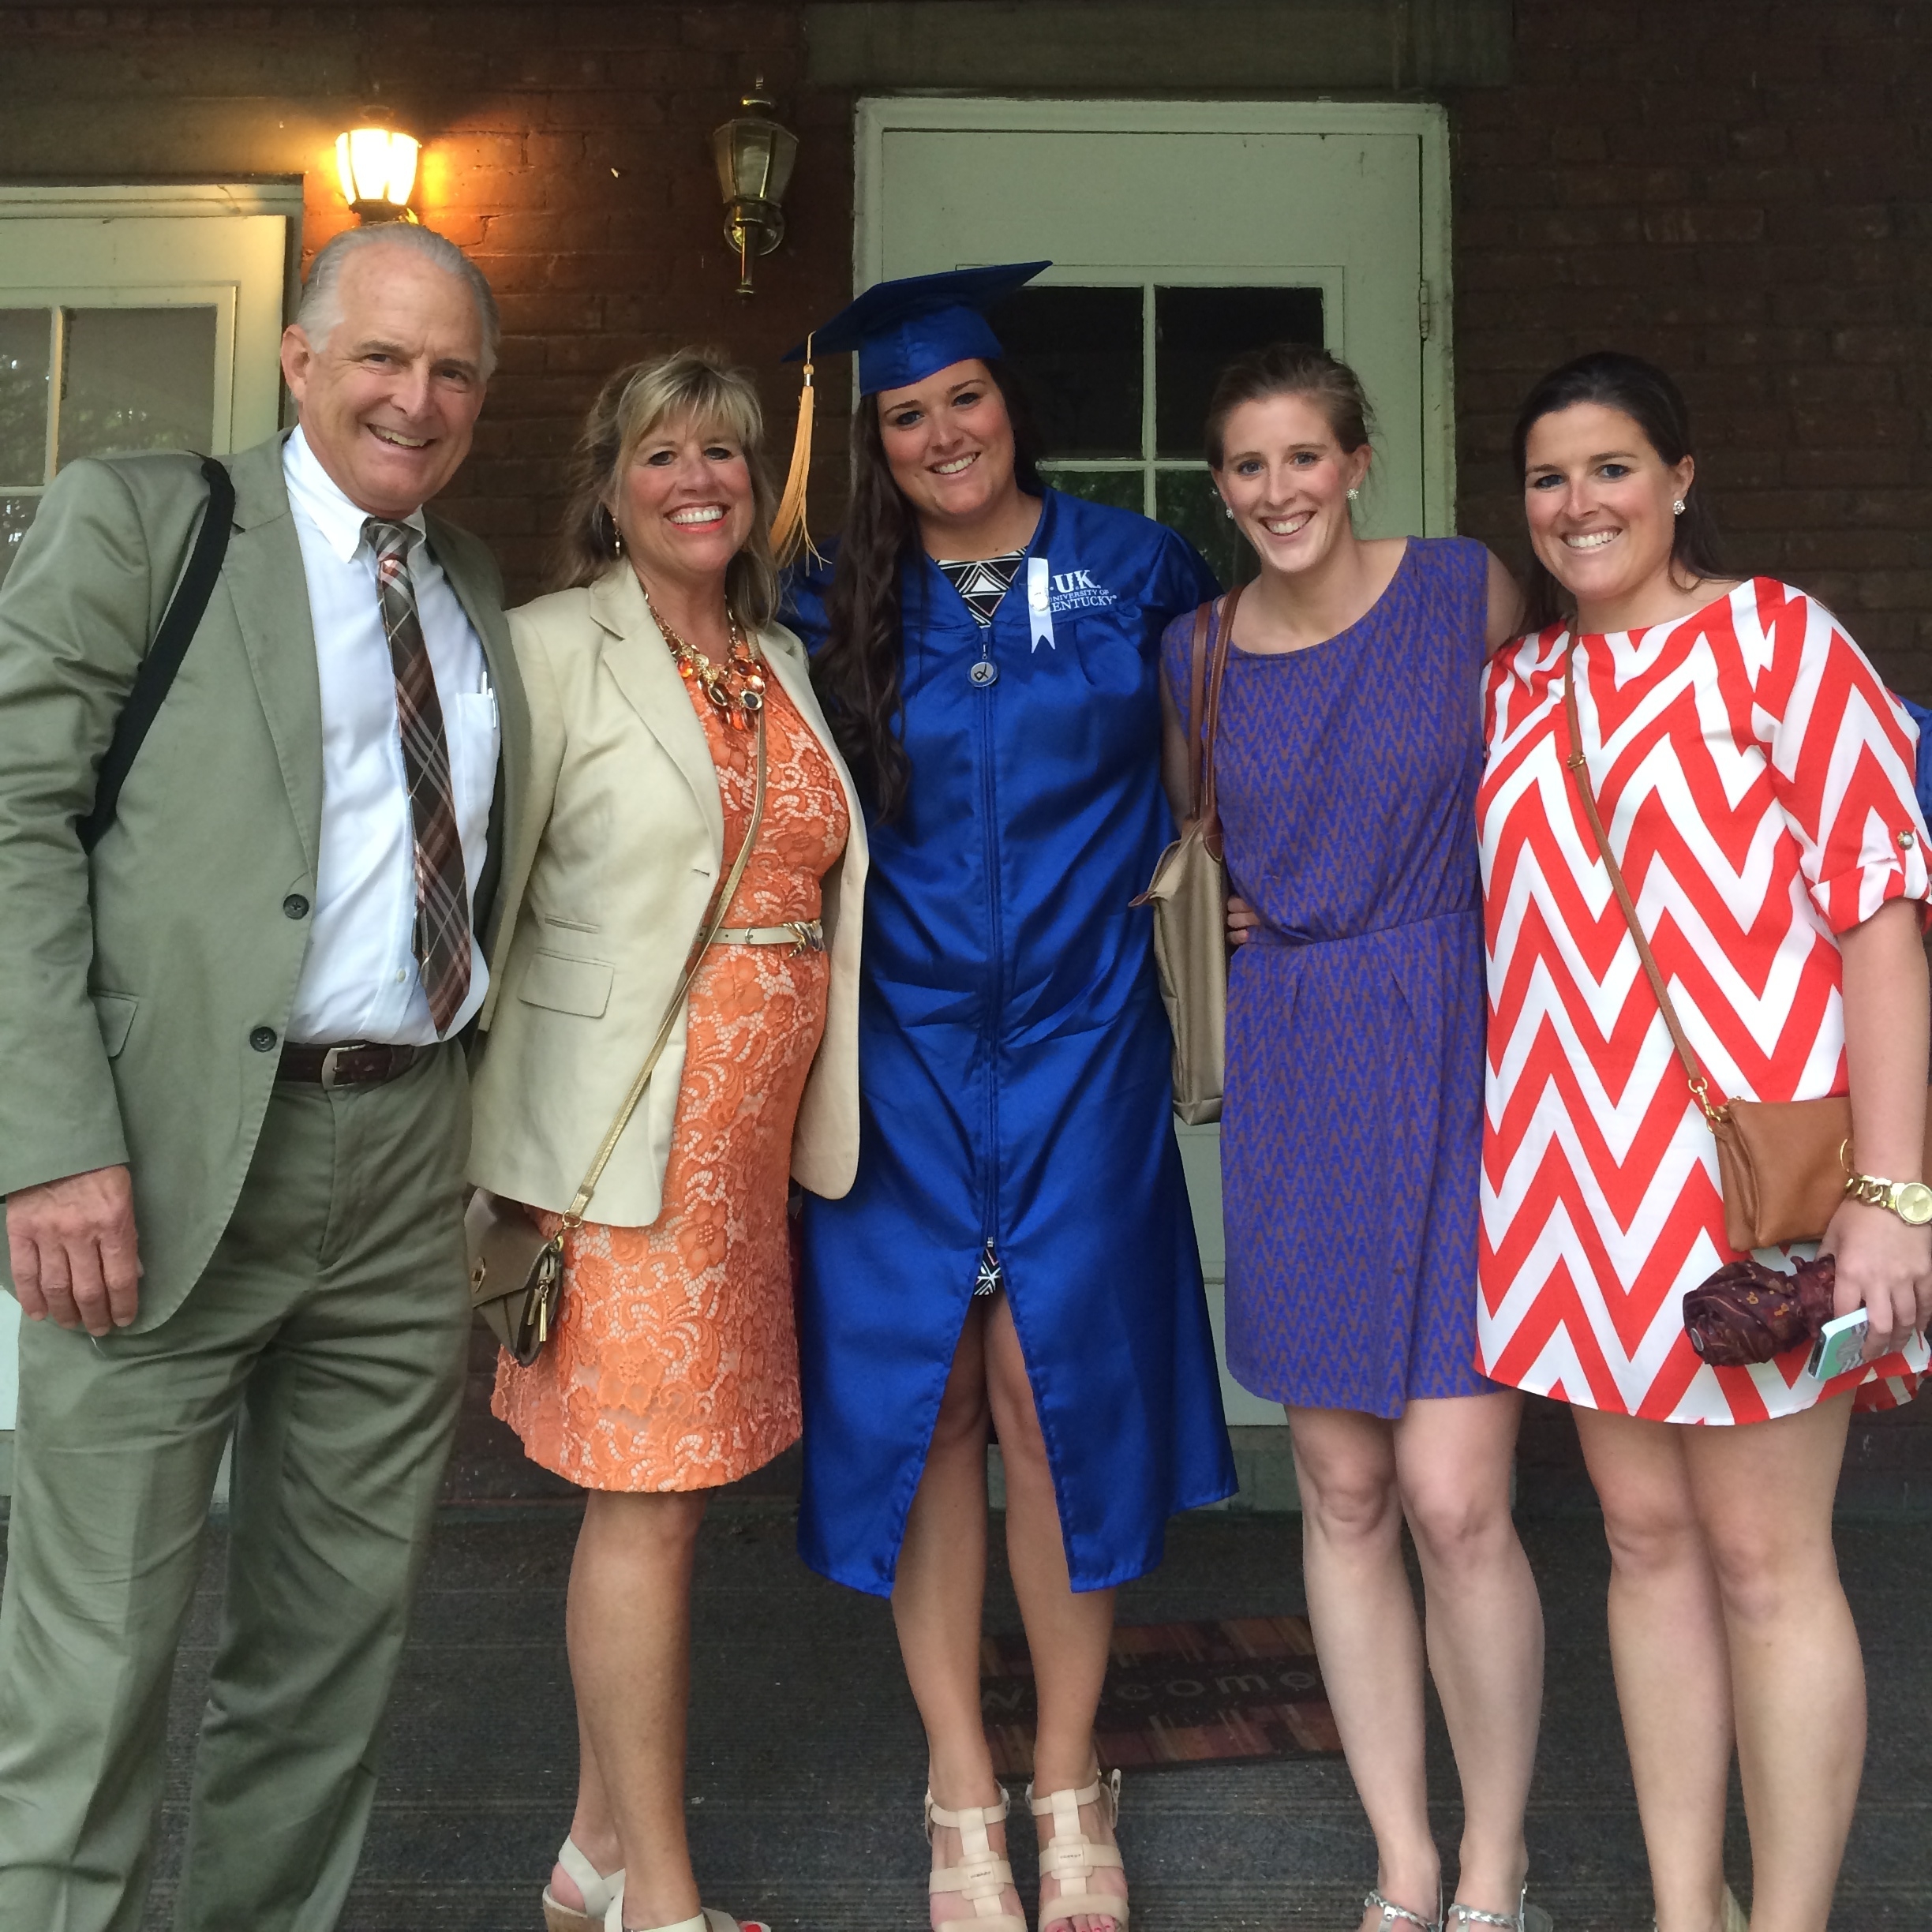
(790, 537)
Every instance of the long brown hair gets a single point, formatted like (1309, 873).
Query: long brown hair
(699, 384)
(859, 671)
(1642, 391)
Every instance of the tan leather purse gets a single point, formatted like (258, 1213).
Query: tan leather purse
(1782, 1164)
(516, 1276)
(1188, 892)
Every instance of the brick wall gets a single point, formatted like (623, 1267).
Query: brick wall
(577, 170)
(1740, 192)
(567, 148)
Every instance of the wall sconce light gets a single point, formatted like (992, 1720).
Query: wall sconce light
(754, 156)
(377, 167)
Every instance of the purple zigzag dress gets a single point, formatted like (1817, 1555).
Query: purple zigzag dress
(1351, 1136)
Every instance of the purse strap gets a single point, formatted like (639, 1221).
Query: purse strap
(1579, 767)
(714, 918)
(1204, 682)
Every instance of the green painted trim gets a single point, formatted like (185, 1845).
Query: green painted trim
(1396, 47)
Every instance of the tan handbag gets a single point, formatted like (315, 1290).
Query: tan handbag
(516, 1276)
(1188, 892)
(1782, 1164)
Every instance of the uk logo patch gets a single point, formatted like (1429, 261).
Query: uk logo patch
(1077, 590)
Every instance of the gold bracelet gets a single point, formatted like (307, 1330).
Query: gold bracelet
(1910, 1200)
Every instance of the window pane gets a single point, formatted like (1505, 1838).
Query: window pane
(16, 513)
(1197, 331)
(1077, 351)
(137, 379)
(1122, 488)
(1187, 500)
(25, 337)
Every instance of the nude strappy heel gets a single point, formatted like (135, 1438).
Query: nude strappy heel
(982, 1875)
(598, 1889)
(705, 1920)
(1525, 1917)
(1070, 1857)
(1375, 1902)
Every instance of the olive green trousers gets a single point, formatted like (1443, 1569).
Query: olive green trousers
(328, 1334)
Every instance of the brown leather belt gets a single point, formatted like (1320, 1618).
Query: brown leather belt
(356, 1063)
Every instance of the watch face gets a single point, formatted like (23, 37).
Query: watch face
(1914, 1202)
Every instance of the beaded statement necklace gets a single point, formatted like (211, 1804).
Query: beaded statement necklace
(736, 686)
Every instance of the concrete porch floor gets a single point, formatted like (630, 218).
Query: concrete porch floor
(806, 1764)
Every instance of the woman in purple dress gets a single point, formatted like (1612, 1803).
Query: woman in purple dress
(1347, 755)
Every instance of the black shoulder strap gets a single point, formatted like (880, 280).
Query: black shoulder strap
(179, 622)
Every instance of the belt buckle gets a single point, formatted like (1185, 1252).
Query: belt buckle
(810, 936)
(329, 1061)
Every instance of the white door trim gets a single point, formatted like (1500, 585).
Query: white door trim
(1427, 122)
(178, 198)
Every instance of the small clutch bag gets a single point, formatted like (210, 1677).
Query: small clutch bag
(1747, 1313)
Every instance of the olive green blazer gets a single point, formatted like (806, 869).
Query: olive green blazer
(144, 990)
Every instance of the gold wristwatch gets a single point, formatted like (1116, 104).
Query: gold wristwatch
(1910, 1200)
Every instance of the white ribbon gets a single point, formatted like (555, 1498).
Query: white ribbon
(1039, 602)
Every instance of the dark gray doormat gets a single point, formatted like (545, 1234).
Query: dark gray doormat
(1177, 1693)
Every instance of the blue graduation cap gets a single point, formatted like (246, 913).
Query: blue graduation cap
(904, 331)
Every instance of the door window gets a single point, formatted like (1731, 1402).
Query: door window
(1119, 378)
(89, 382)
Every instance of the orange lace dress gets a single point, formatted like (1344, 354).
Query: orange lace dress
(674, 1362)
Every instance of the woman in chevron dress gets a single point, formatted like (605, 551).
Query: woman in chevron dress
(1755, 780)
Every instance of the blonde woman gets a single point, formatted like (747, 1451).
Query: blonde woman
(674, 1364)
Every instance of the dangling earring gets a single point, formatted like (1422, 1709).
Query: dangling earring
(617, 536)
(1677, 508)
(1227, 509)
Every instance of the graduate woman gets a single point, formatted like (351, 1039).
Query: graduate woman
(1016, 1252)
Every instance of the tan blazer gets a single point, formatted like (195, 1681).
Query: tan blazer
(623, 844)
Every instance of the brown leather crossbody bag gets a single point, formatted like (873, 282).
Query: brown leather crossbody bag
(1782, 1164)
(516, 1275)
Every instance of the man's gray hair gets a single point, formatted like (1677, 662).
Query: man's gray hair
(321, 308)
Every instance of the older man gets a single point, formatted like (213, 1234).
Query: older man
(233, 1103)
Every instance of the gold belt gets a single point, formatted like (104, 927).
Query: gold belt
(801, 935)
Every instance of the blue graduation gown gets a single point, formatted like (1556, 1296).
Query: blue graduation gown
(1013, 1067)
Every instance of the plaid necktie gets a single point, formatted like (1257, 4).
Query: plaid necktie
(442, 944)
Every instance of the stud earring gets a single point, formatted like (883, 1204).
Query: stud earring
(1227, 509)
(1354, 494)
(1677, 508)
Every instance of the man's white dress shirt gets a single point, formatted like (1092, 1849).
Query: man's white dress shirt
(359, 977)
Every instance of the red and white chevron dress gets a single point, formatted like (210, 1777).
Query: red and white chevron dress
(1755, 779)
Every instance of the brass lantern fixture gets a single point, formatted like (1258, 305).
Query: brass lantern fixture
(377, 165)
(754, 156)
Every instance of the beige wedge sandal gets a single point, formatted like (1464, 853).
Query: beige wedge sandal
(704, 1920)
(1070, 1857)
(982, 1874)
(598, 1889)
